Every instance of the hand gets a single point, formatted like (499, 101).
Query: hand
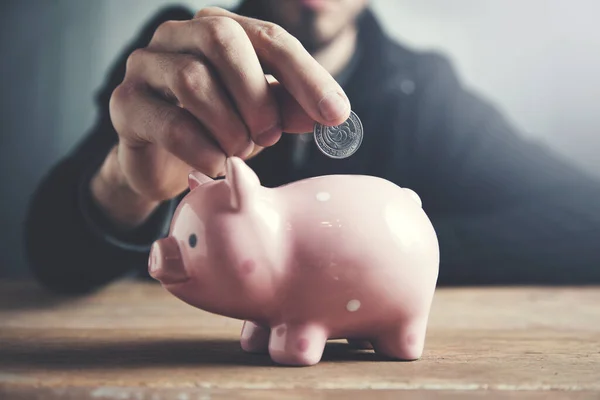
(198, 93)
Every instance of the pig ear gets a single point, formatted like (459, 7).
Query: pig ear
(196, 179)
(414, 196)
(242, 181)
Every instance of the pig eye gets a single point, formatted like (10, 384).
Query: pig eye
(192, 240)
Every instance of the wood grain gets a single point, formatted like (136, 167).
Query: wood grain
(133, 340)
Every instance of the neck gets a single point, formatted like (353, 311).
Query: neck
(336, 54)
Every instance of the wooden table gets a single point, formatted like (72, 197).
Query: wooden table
(135, 341)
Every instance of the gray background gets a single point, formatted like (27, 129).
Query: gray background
(538, 60)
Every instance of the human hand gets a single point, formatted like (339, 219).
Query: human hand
(198, 93)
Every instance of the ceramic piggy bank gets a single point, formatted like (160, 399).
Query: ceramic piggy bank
(334, 257)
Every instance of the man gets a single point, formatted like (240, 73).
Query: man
(192, 90)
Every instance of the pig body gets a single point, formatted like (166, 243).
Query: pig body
(341, 256)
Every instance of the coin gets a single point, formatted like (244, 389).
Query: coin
(339, 141)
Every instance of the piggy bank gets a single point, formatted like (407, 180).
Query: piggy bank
(348, 257)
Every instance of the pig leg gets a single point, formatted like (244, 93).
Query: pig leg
(299, 345)
(255, 338)
(404, 341)
(360, 344)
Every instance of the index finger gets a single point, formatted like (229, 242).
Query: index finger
(317, 92)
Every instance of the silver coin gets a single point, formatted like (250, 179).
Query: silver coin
(339, 141)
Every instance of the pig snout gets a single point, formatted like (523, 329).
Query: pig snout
(165, 263)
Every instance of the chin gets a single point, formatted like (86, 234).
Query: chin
(318, 33)
(314, 22)
(319, 6)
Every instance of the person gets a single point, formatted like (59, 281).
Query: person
(251, 82)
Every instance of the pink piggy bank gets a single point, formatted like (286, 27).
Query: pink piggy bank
(334, 257)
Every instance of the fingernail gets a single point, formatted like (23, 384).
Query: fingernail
(333, 106)
(269, 137)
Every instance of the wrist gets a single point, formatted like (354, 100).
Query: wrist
(123, 207)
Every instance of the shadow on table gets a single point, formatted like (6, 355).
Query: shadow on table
(150, 352)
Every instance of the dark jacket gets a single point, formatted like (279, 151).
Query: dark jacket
(506, 210)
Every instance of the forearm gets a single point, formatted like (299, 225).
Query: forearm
(554, 241)
(63, 254)
(507, 210)
(77, 242)
(85, 227)
(122, 206)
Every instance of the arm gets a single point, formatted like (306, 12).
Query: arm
(72, 242)
(192, 93)
(506, 210)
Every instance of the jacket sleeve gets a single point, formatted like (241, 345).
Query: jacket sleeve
(70, 246)
(507, 210)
